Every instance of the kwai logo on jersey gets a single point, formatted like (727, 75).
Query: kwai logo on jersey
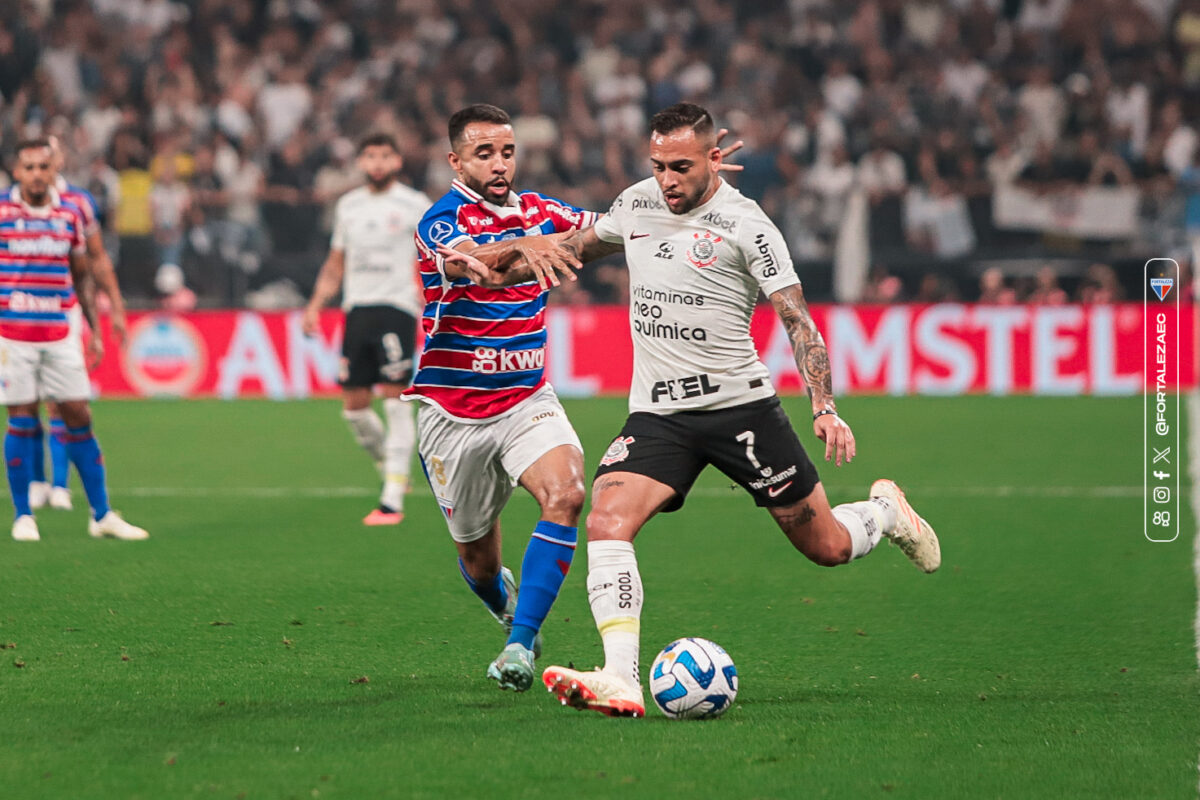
(617, 452)
(23, 301)
(1162, 286)
(489, 360)
(703, 252)
(165, 356)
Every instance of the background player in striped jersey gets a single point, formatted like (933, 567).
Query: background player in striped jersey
(699, 253)
(56, 492)
(42, 256)
(371, 261)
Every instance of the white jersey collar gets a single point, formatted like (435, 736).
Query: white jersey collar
(55, 200)
(512, 204)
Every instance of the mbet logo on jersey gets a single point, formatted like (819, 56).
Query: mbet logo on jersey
(1162, 287)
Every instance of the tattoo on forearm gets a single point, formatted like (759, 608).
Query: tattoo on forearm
(812, 357)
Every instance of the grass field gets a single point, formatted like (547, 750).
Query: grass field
(263, 644)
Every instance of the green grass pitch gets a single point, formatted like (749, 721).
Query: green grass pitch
(263, 644)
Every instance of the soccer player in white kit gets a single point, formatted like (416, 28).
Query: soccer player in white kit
(372, 260)
(699, 252)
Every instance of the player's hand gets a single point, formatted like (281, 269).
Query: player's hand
(310, 323)
(116, 320)
(726, 152)
(546, 260)
(837, 436)
(476, 270)
(95, 351)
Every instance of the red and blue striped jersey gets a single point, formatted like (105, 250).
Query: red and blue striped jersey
(82, 199)
(36, 290)
(485, 348)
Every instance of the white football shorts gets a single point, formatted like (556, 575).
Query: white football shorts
(473, 467)
(32, 371)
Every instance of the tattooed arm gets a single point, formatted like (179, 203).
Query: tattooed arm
(812, 359)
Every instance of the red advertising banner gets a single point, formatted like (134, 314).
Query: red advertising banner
(945, 349)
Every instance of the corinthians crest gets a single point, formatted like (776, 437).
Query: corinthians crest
(703, 252)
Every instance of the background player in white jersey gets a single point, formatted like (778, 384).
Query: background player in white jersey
(699, 252)
(372, 261)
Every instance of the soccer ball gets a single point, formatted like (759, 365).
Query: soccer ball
(693, 678)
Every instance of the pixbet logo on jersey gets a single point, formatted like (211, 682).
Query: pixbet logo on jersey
(489, 360)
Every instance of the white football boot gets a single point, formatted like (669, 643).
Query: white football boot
(25, 529)
(912, 534)
(39, 494)
(60, 498)
(112, 526)
(595, 691)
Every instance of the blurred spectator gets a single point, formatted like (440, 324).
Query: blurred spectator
(175, 296)
(170, 202)
(994, 288)
(1100, 285)
(1046, 290)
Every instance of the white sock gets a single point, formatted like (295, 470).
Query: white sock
(865, 522)
(367, 428)
(397, 452)
(615, 594)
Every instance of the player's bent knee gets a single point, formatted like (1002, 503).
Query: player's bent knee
(564, 503)
(826, 551)
(603, 523)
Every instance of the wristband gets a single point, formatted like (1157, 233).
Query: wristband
(823, 412)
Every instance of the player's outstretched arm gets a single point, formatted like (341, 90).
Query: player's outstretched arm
(511, 261)
(329, 282)
(586, 246)
(812, 359)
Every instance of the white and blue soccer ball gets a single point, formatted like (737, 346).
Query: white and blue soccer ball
(693, 678)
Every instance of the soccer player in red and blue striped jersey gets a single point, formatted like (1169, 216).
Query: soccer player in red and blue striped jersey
(488, 418)
(42, 259)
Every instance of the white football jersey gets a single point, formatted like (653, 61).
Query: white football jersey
(693, 282)
(375, 231)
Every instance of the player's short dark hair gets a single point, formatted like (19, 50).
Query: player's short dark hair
(683, 115)
(31, 144)
(480, 112)
(379, 139)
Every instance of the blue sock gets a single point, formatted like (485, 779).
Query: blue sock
(547, 559)
(18, 459)
(84, 451)
(492, 594)
(39, 454)
(60, 462)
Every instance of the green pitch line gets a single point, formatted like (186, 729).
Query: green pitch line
(268, 645)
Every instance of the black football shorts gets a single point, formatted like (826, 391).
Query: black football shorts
(753, 444)
(377, 347)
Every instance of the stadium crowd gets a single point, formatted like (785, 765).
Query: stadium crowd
(216, 134)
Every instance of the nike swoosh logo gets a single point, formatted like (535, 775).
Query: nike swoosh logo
(633, 236)
(778, 490)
